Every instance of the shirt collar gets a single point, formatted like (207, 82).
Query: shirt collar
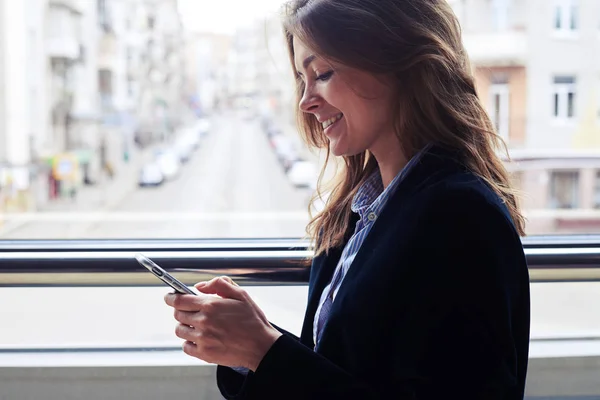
(371, 196)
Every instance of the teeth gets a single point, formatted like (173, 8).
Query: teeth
(330, 121)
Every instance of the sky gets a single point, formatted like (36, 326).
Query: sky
(224, 16)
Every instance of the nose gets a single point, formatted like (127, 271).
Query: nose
(309, 102)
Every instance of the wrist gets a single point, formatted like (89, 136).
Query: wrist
(263, 346)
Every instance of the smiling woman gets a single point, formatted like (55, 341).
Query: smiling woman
(399, 305)
(168, 127)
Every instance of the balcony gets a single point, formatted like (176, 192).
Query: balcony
(63, 40)
(497, 49)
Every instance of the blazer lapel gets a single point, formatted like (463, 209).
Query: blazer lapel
(321, 272)
(434, 164)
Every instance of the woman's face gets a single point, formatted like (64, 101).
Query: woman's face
(354, 107)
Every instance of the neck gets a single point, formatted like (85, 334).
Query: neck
(390, 159)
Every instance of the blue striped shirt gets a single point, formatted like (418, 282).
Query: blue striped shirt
(368, 203)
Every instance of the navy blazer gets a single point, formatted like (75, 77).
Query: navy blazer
(435, 305)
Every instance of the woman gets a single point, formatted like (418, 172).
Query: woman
(419, 287)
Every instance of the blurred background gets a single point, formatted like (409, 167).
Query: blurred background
(163, 118)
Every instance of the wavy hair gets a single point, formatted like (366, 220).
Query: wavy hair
(419, 44)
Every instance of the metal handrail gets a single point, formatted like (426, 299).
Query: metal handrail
(249, 261)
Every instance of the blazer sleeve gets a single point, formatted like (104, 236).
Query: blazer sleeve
(232, 380)
(454, 330)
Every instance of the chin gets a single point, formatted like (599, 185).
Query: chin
(340, 151)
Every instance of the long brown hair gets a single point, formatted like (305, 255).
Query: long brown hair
(418, 42)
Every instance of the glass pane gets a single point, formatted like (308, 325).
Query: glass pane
(570, 104)
(574, 10)
(137, 119)
(497, 112)
(564, 189)
(597, 191)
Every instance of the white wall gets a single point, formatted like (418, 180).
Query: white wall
(552, 55)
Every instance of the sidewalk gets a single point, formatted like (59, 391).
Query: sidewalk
(106, 193)
(103, 196)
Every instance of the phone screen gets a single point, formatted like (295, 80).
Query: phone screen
(163, 275)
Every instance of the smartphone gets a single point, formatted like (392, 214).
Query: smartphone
(163, 275)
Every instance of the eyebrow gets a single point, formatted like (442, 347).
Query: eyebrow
(307, 61)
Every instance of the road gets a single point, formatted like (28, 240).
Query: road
(232, 187)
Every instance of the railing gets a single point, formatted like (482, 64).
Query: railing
(268, 262)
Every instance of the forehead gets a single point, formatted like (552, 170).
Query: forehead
(300, 52)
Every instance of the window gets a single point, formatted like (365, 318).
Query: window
(564, 190)
(105, 85)
(500, 108)
(103, 14)
(172, 132)
(597, 190)
(500, 11)
(566, 16)
(564, 92)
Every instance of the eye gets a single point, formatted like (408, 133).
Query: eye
(325, 77)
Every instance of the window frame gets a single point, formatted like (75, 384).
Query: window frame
(563, 12)
(251, 262)
(503, 125)
(576, 189)
(560, 109)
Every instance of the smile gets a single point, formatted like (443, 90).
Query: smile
(331, 121)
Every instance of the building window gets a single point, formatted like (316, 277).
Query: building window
(564, 189)
(566, 16)
(563, 101)
(500, 108)
(103, 15)
(105, 86)
(597, 190)
(500, 12)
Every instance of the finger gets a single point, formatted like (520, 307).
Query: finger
(186, 317)
(228, 279)
(185, 302)
(186, 333)
(190, 349)
(204, 283)
(223, 288)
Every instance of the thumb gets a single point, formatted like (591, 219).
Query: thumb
(222, 286)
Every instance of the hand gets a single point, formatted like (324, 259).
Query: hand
(228, 329)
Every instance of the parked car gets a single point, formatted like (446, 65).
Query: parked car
(184, 149)
(202, 127)
(286, 150)
(169, 163)
(151, 175)
(190, 138)
(303, 174)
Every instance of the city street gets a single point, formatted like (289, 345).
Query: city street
(233, 186)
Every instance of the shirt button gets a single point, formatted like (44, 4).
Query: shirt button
(372, 217)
